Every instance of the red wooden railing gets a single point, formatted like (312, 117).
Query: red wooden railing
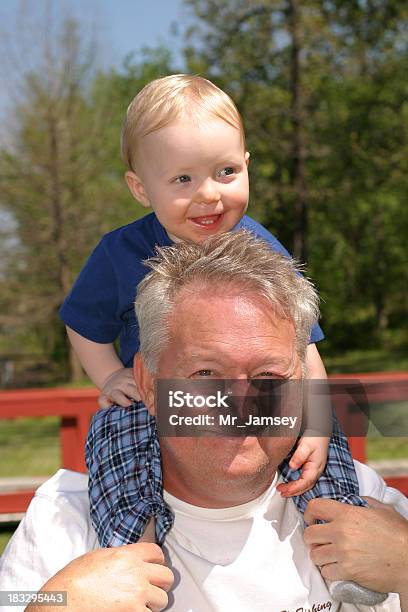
(76, 407)
(379, 387)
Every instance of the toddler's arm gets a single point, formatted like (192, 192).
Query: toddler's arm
(105, 369)
(314, 364)
(311, 451)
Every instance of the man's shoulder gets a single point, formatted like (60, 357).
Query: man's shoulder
(370, 483)
(65, 488)
(64, 482)
(55, 530)
(373, 485)
(60, 510)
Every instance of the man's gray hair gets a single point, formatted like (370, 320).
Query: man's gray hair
(234, 260)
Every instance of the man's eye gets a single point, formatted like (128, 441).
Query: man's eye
(184, 178)
(266, 375)
(226, 171)
(204, 373)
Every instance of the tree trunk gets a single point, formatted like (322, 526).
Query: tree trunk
(298, 145)
(63, 275)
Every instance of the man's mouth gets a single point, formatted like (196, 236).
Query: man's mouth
(207, 220)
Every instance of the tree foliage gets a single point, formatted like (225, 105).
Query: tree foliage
(328, 144)
(62, 184)
(321, 85)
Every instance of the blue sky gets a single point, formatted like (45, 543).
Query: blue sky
(127, 24)
(122, 26)
(130, 24)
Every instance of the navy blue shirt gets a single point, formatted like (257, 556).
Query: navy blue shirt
(100, 305)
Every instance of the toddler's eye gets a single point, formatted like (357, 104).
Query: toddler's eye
(226, 171)
(184, 178)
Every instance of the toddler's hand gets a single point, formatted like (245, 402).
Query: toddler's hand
(119, 388)
(311, 453)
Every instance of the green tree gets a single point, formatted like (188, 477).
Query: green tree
(265, 54)
(45, 174)
(322, 91)
(62, 183)
(360, 182)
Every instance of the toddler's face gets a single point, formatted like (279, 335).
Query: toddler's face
(194, 177)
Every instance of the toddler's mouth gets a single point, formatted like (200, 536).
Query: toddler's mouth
(207, 220)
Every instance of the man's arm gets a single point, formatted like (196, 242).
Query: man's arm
(56, 532)
(131, 577)
(366, 545)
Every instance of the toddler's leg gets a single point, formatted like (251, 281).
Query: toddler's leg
(338, 481)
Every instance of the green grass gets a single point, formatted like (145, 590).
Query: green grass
(29, 446)
(6, 531)
(378, 360)
(391, 418)
(387, 448)
(380, 447)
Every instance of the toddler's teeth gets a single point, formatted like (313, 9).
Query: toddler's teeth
(206, 220)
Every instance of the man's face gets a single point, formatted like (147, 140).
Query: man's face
(195, 178)
(233, 337)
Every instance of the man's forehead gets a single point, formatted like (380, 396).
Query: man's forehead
(232, 328)
(225, 290)
(196, 302)
(284, 361)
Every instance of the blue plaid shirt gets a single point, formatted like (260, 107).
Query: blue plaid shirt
(125, 480)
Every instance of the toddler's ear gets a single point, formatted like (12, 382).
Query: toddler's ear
(247, 156)
(136, 188)
(145, 383)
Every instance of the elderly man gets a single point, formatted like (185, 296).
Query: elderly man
(229, 309)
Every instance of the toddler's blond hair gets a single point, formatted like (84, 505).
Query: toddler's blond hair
(164, 100)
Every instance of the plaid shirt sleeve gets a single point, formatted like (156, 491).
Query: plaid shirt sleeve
(125, 480)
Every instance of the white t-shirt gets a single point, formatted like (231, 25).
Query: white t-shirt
(249, 558)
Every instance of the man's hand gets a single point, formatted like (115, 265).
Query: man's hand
(119, 388)
(126, 578)
(366, 545)
(311, 457)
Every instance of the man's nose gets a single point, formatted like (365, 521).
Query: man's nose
(208, 192)
(240, 391)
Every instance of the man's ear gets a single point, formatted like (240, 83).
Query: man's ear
(145, 383)
(136, 188)
(247, 156)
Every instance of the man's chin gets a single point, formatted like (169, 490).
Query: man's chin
(250, 459)
(249, 462)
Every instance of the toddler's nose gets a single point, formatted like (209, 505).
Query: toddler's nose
(208, 192)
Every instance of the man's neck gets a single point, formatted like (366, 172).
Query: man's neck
(234, 494)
